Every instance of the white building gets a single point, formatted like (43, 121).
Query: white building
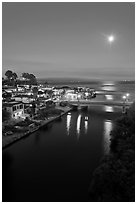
(16, 109)
(71, 96)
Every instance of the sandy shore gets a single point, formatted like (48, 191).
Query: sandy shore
(8, 140)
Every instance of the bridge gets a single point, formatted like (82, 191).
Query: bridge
(93, 102)
(98, 102)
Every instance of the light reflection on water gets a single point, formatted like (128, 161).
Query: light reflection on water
(108, 125)
(68, 122)
(108, 109)
(54, 163)
(109, 97)
(108, 88)
(86, 126)
(108, 83)
(78, 125)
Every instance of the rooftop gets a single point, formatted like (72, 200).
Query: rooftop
(11, 103)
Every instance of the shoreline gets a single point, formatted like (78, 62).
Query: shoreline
(9, 140)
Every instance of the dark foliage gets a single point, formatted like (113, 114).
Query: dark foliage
(31, 77)
(45, 113)
(24, 123)
(13, 81)
(6, 95)
(64, 103)
(35, 92)
(14, 76)
(8, 74)
(5, 115)
(114, 179)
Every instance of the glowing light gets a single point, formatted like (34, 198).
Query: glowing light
(86, 126)
(124, 97)
(78, 125)
(127, 94)
(107, 130)
(78, 96)
(109, 109)
(111, 38)
(108, 88)
(109, 97)
(86, 118)
(68, 122)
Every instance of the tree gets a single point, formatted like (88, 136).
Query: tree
(114, 179)
(25, 75)
(46, 83)
(31, 77)
(33, 109)
(8, 74)
(6, 95)
(14, 76)
(35, 92)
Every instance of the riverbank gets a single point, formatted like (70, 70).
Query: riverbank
(8, 140)
(114, 179)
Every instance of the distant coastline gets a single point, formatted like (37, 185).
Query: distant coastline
(82, 81)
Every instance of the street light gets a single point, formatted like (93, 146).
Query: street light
(127, 96)
(78, 96)
(124, 105)
(124, 97)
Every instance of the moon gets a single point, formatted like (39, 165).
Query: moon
(110, 38)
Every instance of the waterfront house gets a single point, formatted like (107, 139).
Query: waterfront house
(16, 109)
(57, 93)
(70, 96)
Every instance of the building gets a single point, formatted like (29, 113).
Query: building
(15, 108)
(10, 89)
(24, 98)
(21, 88)
(70, 96)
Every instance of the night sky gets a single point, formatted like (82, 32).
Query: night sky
(69, 39)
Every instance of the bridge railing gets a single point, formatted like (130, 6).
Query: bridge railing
(92, 102)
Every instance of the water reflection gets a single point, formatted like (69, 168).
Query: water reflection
(7, 175)
(7, 160)
(109, 97)
(70, 155)
(107, 129)
(108, 88)
(86, 124)
(68, 122)
(78, 125)
(37, 137)
(108, 109)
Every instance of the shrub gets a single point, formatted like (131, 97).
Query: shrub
(114, 179)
